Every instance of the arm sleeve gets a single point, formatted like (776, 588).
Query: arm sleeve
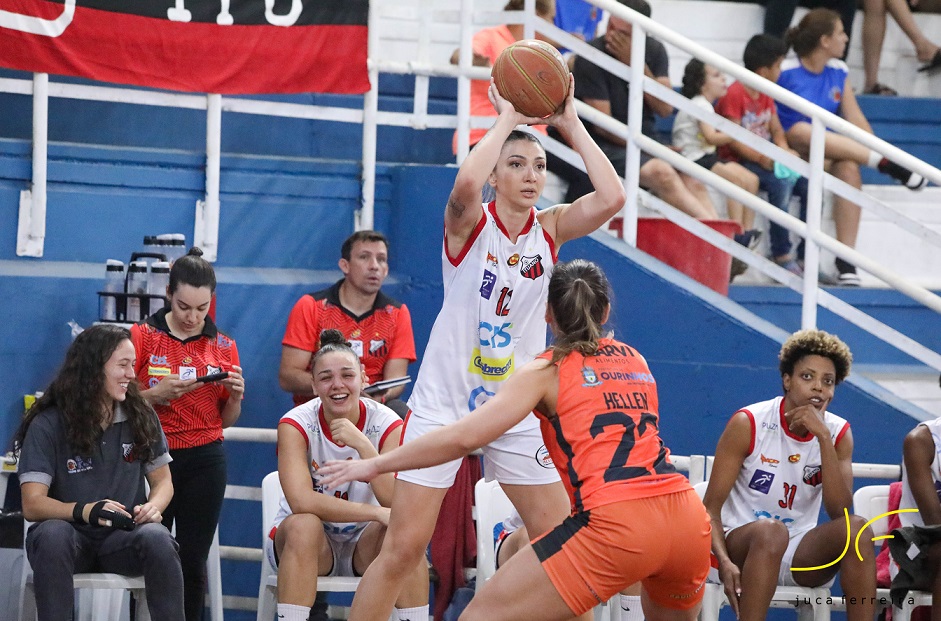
(38, 454)
(302, 330)
(403, 344)
(161, 453)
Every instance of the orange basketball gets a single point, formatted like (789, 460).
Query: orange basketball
(533, 76)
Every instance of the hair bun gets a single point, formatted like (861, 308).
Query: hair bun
(332, 337)
(195, 251)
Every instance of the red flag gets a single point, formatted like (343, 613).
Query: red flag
(206, 46)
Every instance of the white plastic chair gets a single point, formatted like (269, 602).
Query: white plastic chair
(103, 606)
(492, 506)
(868, 502)
(815, 608)
(268, 587)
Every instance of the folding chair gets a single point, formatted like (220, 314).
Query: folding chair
(268, 586)
(810, 603)
(869, 502)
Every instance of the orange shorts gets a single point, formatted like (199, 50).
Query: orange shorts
(662, 542)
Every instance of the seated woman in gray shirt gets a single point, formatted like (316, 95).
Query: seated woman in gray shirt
(85, 448)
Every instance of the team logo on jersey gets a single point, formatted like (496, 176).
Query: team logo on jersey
(492, 260)
(812, 475)
(836, 94)
(513, 260)
(187, 360)
(486, 286)
(478, 397)
(211, 370)
(158, 360)
(796, 457)
(187, 373)
(493, 369)
(357, 346)
(127, 450)
(590, 377)
(531, 267)
(78, 464)
(767, 460)
(378, 348)
(761, 481)
(158, 371)
(543, 458)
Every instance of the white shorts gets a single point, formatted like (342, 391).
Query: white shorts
(518, 458)
(342, 554)
(785, 575)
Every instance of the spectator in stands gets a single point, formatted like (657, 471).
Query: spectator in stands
(780, 13)
(175, 346)
(487, 44)
(874, 12)
(921, 490)
(335, 533)
(578, 17)
(697, 140)
(758, 113)
(819, 76)
(85, 448)
(775, 462)
(378, 327)
(609, 93)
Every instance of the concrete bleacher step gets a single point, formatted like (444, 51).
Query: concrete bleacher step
(918, 385)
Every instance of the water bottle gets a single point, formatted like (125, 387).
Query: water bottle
(136, 286)
(175, 245)
(154, 247)
(159, 278)
(114, 283)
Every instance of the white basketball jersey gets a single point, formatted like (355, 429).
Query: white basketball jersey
(908, 501)
(780, 478)
(492, 320)
(376, 421)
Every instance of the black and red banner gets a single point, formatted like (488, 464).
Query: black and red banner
(205, 46)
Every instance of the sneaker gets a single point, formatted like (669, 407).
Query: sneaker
(791, 266)
(749, 238)
(849, 279)
(911, 180)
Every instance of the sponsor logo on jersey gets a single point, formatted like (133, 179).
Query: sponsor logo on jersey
(378, 348)
(531, 267)
(769, 426)
(486, 286)
(158, 360)
(187, 373)
(590, 377)
(543, 458)
(492, 260)
(314, 464)
(211, 370)
(812, 476)
(153, 381)
(761, 481)
(513, 260)
(796, 457)
(357, 345)
(494, 369)
(187, 360)
(158, 371)
(478, 397)
(494, 336)
(633, 376)
(769, 460)
(78, 464)
(761, 514)
(223, 341)
(127, 450)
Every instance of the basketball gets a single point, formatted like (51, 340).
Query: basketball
(533, 76)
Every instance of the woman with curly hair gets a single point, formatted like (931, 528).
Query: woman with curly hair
(85, 449)
(775, 462)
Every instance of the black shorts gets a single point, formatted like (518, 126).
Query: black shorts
(708, 160)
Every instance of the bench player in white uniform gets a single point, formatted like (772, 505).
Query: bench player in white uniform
(497, 260)
(339, 533)
(775, 463)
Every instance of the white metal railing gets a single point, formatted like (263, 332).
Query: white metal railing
(815, 239)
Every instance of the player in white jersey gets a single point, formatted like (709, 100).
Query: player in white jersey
(497, 262)
(339, 533)
(921, 489)
(775, 463)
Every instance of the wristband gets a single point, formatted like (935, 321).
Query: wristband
(95, 513)
(77, 513)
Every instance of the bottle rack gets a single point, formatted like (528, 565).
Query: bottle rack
(149, 304)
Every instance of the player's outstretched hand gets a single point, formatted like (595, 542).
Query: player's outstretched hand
(336, 473)
(731, 577)
(565, 116)
(503, 106)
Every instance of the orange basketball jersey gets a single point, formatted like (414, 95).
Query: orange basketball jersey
(604, 437)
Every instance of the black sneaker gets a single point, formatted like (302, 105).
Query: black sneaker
(749, 238)
(911, 180)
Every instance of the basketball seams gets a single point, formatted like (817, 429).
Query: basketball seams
(524, 76)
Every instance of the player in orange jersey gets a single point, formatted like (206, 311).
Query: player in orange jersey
(634, 518)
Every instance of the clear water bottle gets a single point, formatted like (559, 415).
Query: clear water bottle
(175, 245)
(159, 278)
(114, 283)
(137, 285)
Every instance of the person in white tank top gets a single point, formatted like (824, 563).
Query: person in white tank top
(497, 260)
(776, 462)
(338, 533)
(921, 489)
